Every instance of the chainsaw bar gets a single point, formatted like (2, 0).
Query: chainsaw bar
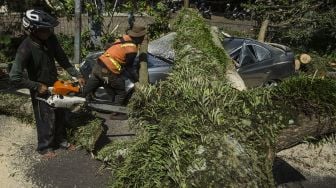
(107, 107)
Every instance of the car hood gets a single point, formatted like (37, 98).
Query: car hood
(163, 47)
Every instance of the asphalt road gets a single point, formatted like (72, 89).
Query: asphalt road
(78, 168)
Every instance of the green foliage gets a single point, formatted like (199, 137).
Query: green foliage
(157, 9)
(85, 130)
(114, 153)
(200, 38)
(8, 46)
(62, 8)
(307, 94)
(306, 24)
(194, 130)
(193, 127)
(318, 66)
(5, 40)
(18, 106)
(67, 42)
(161, 21)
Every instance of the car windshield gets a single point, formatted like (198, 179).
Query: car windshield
(230, 44)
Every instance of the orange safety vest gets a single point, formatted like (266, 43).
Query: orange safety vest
(114, 57)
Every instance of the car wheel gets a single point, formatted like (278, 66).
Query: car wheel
(271, 83)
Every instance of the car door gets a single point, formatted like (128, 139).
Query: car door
(254, 64)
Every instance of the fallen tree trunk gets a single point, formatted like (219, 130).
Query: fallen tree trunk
(306, 127)
(143, 70)
(231, 73)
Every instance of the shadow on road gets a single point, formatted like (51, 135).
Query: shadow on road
(287, 176)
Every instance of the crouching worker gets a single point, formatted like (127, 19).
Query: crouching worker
(112, 66)
(37, 54)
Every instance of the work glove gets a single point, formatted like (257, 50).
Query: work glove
(42, 89)
(81, 80)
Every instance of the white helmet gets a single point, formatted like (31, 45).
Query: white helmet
(36, 19)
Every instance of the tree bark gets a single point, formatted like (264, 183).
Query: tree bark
(263, 30)
(297, 64)
(186, 3)
(143, 70)
(305, 127)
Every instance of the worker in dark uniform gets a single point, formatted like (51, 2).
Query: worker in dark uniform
(37, 54)
(115, 62)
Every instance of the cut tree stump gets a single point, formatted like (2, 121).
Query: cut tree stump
(305, 58)
(297, 64)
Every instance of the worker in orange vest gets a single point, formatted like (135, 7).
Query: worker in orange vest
(111, 65)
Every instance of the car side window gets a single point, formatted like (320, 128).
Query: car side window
(261, 53)
(249, 56)
(250, 47)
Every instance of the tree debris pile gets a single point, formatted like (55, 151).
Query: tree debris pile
(187, 133)
(308, 95)
(17, 105)
(85, 130)
(195, 130)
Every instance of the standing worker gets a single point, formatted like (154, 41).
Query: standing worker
(37, 54)
(115, 62)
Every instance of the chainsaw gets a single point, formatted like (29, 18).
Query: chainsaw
(65, 94)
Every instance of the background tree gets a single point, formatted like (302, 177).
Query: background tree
(304, 24)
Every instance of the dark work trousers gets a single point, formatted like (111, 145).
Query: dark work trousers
(50, 125)
(113, 84)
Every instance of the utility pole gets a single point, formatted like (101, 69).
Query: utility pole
(186, 4)
(78, 28)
